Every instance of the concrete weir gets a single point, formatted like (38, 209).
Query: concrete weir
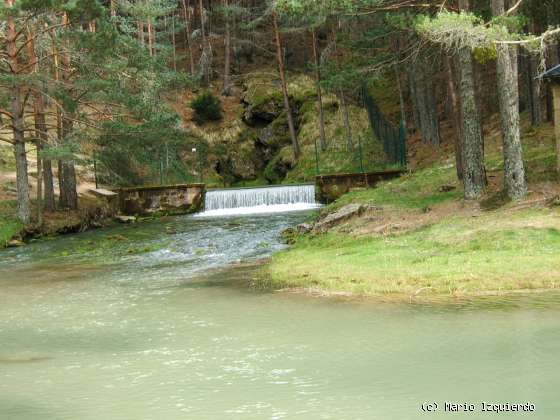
(161, 199)
(331, 187)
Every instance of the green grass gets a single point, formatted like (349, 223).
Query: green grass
(9, 224)
(458, 255)
(417, 190)
(498, 250)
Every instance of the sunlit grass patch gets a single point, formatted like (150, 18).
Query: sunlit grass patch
(459, 255)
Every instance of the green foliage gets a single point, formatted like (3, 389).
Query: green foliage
(467, 30)
(9, 223)
(207, 107)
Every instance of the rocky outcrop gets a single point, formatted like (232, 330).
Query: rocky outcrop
(278, 167)
(344, 213)
(262, 99)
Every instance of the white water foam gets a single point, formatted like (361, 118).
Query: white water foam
(262, 209)
(229, 202)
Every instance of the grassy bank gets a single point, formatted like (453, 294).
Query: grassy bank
(460, 255)
(420, 237)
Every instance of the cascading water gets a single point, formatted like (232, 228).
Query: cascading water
(259, 200)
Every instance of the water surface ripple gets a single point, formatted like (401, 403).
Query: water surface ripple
(147, 322)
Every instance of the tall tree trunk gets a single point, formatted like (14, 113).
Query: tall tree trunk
(226, 91)
(287, 108)
(141, 33)
(474, 172)
(322, 136)
(151, 40)
(414, 98)
(205, 59)
(508, 94)
(173, 41)
(456, 111)
(69, 198)
(18, 124)
(402, 104)
(62, 201)
(188, 40)
(56, 72)
(426, 101)
(41, 137)
(552, 60)
(48, 200)
(535, 89)
(68, 184)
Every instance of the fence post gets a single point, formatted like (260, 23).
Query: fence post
(361, 154)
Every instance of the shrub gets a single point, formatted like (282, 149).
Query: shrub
(206, 107)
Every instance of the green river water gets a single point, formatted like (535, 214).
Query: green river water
(157, 321)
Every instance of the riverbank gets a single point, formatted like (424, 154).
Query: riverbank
(416, 236)
(92, 214)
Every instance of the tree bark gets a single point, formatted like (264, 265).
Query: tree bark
(287, 108)
(41, 137)
(474, 175)
(151, 37)
(68, 184)
(508, 95)
(173, 41)
(414, 98)
(474, 172)
(188, 35)
(556, 94)
(552, 60)
(322, 136)
(534, 87)
(48, 200)
(206, 48)
(226, 90)
(426, 101)
(456, 105)
(18, 124)
(402, 104)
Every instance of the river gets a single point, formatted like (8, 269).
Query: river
(158, 320)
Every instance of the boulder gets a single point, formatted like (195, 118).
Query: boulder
(125, 219)
(340, 215)
(304, 228)
(14, 243)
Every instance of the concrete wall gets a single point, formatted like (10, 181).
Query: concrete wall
(331, 187)
(165, 199)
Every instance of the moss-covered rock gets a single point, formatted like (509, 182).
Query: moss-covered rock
(239, 160)
(262, 97)
(277, 169)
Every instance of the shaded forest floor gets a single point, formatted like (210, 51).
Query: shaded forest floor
(418, 237)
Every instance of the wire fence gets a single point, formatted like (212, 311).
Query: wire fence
(392, 138)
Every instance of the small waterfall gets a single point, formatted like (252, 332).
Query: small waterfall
(259, 200)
